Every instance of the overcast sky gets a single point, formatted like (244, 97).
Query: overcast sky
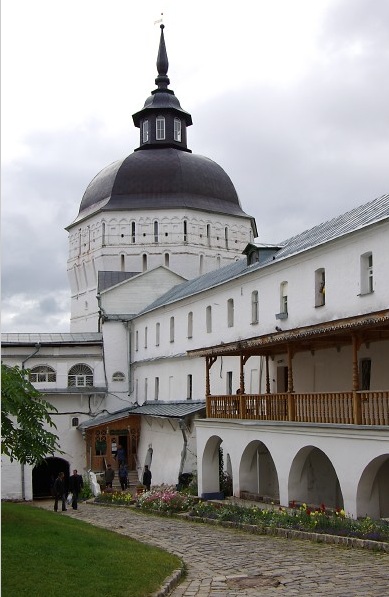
(290, 97)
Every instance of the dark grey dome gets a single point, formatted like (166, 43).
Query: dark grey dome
(163, 178)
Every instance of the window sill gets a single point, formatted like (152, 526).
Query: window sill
(366, 293)
(281, 316)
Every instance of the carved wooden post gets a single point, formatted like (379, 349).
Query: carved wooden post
(357, 410)
(241, 377)
(209, 361)
(291, 402)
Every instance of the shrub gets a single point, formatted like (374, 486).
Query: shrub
(165, 499)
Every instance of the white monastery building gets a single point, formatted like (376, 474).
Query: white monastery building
(190, 342)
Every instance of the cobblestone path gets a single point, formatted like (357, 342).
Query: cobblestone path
(230, 563)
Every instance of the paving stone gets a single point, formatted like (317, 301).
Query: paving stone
(215, 556)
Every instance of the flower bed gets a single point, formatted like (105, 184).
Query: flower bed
(296, 519)
(302, 518)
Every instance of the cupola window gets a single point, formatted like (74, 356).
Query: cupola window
(145, 131)
(177, 129)
(160, 128)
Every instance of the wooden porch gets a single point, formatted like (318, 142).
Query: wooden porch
(341, 408)
(354, 407)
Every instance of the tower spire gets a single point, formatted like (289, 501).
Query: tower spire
(162, 63)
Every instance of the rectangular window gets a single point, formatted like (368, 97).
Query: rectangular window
(364, 374)
(254, 307)
(156, 232)
(185, 231)
(320, 287)
(190, 324)
(145, 131)
(157, 333)
(189, 387)
(172, 329)
(367, 273)
(156, 390)
(146, 388)
(177, 129)
(132, 232)
(160, 128)
(208, 317)
(136, 340)
(284, 297)
(146, 337)
(230, 313)
(229, 383)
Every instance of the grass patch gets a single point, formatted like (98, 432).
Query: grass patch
(47, 553)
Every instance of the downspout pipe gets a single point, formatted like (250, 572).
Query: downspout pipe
(22, 469)
(183, 428)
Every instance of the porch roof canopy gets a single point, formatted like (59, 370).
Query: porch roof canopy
(372, 327)
(170, 410)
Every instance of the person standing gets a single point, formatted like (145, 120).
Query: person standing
(76, 483)
(121, 454)
(109, 476)
(123, 476)
(59, 492)
(147, 477)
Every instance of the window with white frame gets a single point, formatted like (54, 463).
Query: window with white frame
(208, 319)
(190, 324)
(156, 389)
(145, 131)
(177, 129)
(284, 298)
(320, 287)
(160, 128)
(172, 329)
(254, 307)
(80, 376)
(367, 285)
(156, 232)
(42, 373)
(189, 387)
(146, 330)
(157, 333)
(230, 313)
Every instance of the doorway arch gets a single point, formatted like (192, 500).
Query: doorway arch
(44, 475)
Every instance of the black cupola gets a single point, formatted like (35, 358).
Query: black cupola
(162, 121)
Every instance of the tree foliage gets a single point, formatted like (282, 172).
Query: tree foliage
(24, 419)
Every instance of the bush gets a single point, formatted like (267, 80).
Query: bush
(165, 499)
(86, 492)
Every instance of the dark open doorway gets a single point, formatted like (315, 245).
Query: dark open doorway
(44, 475)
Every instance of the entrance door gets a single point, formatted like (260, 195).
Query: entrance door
(282, 379)
(44, 475)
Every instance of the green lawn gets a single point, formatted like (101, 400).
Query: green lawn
(46, 554)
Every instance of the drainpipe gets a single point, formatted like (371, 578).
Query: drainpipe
(182, 425)
(22, 468)
(128, 324)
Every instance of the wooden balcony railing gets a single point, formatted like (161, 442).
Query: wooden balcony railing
(362, 408)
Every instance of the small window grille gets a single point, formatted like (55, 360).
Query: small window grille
(80, 376)
(42, 374)
(118, 376)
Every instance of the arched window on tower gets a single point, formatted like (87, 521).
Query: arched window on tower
(145, 131)
(208, 319)
(103, 234)
(156, 232)
(209, 234)
(144, 262)
(167, 259)
(160, 128)
(185, 231)
(226, 237)
(132, 232)
(177, 129)
(122, 263)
